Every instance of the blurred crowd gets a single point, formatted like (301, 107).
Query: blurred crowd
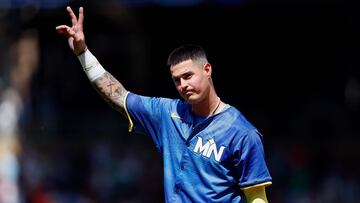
(60, 143)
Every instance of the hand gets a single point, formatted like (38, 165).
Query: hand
(75, 34)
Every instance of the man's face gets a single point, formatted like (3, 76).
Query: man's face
(192, 80)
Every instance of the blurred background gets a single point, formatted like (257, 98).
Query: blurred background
(292, 68)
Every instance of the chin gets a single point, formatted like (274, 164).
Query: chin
(192, 99)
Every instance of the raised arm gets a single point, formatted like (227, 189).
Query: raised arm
(108, 87)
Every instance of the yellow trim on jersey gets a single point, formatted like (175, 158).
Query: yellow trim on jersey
(174, 115)
(131, 124)
(256, 195)
(258, 185)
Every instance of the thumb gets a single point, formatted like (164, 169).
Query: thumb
(71, 32)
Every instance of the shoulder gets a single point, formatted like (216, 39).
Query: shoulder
(153, 101)
(239, 128)
(239, 122)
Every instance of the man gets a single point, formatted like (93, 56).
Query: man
(211, 152)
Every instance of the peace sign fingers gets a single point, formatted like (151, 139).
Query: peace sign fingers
(75, 34)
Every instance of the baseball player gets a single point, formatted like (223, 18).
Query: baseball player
(211, 152)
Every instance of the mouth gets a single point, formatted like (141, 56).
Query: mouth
(188, 93)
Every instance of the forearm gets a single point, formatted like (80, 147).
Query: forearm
(110, 89)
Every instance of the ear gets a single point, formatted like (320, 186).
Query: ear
(207, 69)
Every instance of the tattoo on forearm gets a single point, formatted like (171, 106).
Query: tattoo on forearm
(112, 91)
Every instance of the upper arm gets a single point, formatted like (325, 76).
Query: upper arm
(147, 115)
(249, 161)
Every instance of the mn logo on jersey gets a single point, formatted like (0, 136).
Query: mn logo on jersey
(208, 148)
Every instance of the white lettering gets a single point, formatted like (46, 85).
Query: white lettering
(199, 147)
(208, 148)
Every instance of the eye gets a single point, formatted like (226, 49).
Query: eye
(187, 76)
(176, 80)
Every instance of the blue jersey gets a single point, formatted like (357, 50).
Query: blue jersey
(210, 161)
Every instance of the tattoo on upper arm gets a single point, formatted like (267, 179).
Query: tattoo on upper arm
(112, 91)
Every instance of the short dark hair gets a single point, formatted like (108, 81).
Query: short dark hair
(186, 52)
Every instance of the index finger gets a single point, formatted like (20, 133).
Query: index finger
(72, 15)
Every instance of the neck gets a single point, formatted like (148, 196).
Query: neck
(216, 107)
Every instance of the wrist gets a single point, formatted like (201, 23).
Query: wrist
(81, 52)
(91, 65)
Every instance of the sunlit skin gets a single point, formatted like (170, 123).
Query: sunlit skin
(193, 81)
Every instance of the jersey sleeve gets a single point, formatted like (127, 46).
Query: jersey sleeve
(144, 114)
(251, 168)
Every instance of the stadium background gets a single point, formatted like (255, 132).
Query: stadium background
(291, 67)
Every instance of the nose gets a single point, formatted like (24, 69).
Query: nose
(183, 84)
